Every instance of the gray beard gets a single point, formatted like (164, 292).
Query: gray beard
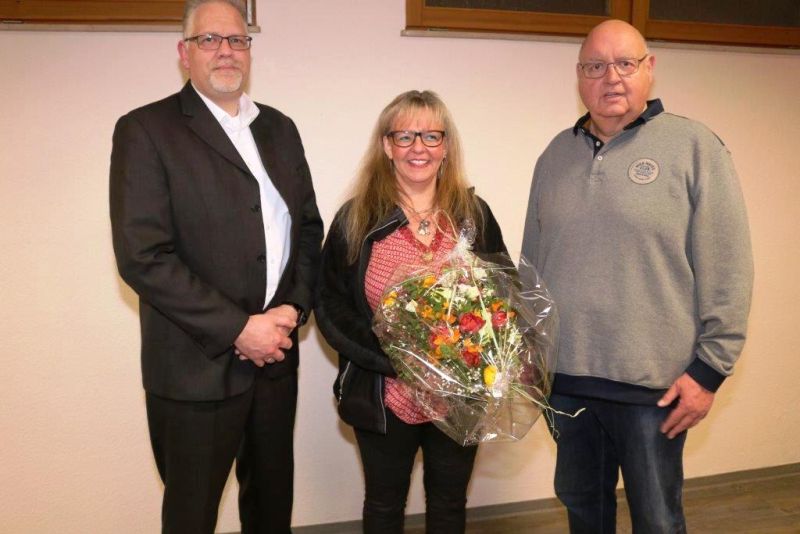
(226, 85)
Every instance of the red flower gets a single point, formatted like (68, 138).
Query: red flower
(470, 323)
(499, 318)
(471, 358)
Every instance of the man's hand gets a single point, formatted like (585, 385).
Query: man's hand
(694, 402)
(285, 310)
(265, 335)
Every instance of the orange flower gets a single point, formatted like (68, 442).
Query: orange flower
(427, 312)
(454, 336)
(441, 335)
(497, 305)
(428, 281)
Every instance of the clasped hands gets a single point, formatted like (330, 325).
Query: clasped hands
(266, 335)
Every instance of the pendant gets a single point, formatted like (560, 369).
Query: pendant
(424, 227)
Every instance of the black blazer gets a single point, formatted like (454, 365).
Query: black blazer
(189, 239)
(345, 318)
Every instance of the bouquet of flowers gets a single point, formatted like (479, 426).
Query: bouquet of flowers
(474, 341)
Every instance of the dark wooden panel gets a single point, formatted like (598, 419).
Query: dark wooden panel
(598, 8)
(742, 12)
(100, 11)
(421, 14)
(73, 11)
(786, 35)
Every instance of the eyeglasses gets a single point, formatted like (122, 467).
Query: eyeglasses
(212, 41)
(406, 138)
(624, 67)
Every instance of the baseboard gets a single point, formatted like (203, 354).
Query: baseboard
(750, 475)
(544, 505)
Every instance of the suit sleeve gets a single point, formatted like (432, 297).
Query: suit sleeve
(144, 240)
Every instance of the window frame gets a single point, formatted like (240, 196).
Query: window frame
(100, 14)
(421, 17)
(707, 32)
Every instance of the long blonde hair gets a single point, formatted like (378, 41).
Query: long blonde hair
(376, 194)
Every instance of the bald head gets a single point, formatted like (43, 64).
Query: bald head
(610, 29)
(614, 100)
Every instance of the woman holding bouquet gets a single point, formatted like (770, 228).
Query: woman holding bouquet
(409, 199)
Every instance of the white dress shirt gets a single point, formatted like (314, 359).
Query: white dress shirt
(277, 222)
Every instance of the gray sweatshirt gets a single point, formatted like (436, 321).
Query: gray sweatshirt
(644, 245)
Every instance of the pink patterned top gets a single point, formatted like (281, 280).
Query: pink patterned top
(401, 248)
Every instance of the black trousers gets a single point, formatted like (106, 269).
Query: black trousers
(195, 443)
(388, 461)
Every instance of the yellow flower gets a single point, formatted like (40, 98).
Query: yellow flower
(390, 299)
(489, 375)
(429, 281)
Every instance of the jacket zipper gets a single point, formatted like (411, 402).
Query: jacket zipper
(341, 380)
(362, 269)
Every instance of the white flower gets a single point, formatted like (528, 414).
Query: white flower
(412, 306)
(448, 277)
(470, 292)
(479, 273)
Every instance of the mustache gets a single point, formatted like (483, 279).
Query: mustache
(227, 64)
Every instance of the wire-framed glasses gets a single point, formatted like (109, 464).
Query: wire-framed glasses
(212, 41)
(624, 67)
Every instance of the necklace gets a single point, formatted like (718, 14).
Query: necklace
(424, 224)
(424, 227)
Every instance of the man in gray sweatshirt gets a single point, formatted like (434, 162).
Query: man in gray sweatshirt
(637, 224)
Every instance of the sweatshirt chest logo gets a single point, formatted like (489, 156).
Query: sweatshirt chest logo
(643, 171)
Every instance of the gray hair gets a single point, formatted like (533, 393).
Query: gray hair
(192, 5)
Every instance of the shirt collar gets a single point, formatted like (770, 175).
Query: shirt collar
(654, 107)
(248, 111)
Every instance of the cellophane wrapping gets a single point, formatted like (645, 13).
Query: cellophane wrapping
(474, 341)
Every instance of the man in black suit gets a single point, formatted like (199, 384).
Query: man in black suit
(215, 226)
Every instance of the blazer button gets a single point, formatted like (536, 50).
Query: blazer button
(256, 208)
(261, 258)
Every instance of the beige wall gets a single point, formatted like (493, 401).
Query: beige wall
(74, 452)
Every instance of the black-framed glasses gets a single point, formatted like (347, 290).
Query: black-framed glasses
(406, 138)
(212, 41)
(624, 67)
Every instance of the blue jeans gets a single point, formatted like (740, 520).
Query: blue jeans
(593, 447)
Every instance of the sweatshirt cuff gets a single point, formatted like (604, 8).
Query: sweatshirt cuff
(705, 375)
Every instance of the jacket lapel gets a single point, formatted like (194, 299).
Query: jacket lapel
(202, 122)
(265, 141)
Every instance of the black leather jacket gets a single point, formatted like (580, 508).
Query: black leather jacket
(345, 318)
